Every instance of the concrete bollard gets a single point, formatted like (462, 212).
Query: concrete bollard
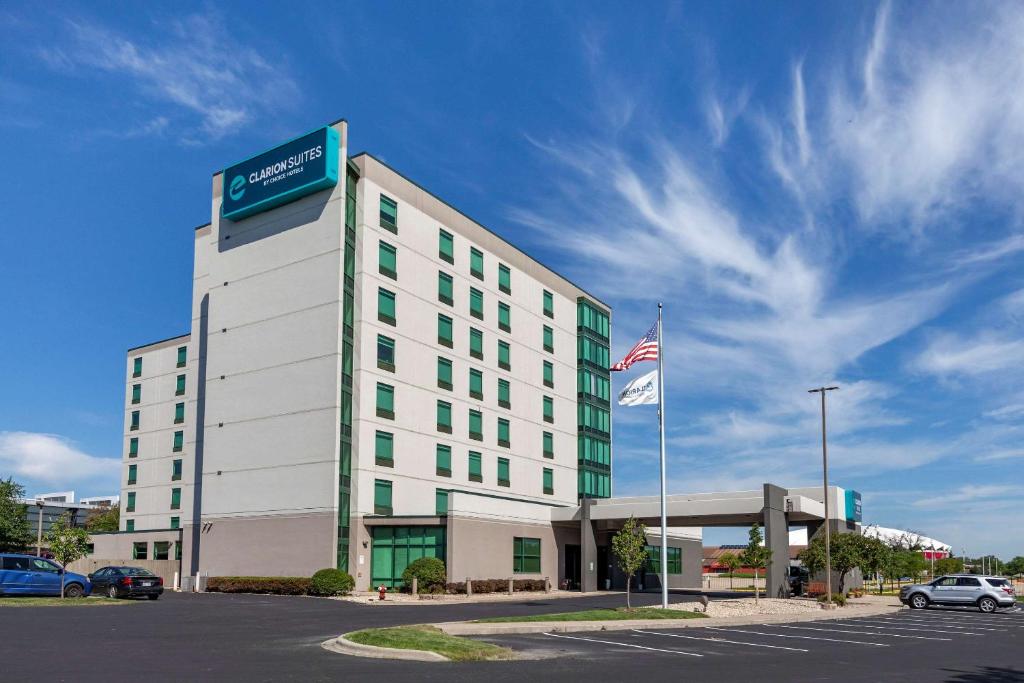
(511, 587)
(415, 586)
(469, 586)
(547, 585)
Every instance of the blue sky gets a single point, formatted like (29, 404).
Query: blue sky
(819, 192)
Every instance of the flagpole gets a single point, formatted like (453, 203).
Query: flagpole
(661, 439)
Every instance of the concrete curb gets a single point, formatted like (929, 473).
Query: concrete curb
(343, 646)
(464, 628)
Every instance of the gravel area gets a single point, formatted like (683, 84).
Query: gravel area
(742, 607)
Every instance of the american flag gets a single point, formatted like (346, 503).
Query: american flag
(645, 349)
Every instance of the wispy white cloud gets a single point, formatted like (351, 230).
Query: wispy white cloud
(54, 461)
(951, 355)
(196, 70)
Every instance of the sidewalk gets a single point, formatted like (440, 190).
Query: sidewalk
(860, 607)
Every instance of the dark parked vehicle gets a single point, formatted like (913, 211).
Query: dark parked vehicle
(31, 575)
(127, 582)
(799, 578)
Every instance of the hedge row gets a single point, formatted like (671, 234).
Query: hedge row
(278, 585)
(497, 585)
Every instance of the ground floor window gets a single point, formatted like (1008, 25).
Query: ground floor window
(161, 550)
(394, 547)
(525, 555)
(675, 559)
(139, 551)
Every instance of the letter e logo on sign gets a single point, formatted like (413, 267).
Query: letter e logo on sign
(237, 188)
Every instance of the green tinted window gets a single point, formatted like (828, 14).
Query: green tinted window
(549, 374)
(182, 356)
(140, 550)
(179, 412)
(549, 304)
(476, 343)
(385, 352)
(385, 400)
(130, 505)
(476, 383)
(549, 409)
(137, 367)
(549, 339)
(176, 524)
(179, 441)
(503, 432)
(504, 393)
(133, 471)
(136, 393)
(525, 555)
(382, 497)
(133, 447)
(476, 262)
(549, 481)
(446, 246)
(444, 414)
(476, 471)
(388, 212)
(445, 288)
(476, 303)
(504, 278)
(441, 501)
(176, 469)
(444, 373)
(135, 419)
(444, 330)
(175, 499)
(386, 306)
(504, 317)
(503, 476)
(504, 355)
(129, 524)
(179, 387)
(384, 448)
(549, 445)
(387, 257)
(476, 425)
(444, 460)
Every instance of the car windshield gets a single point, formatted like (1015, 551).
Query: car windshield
(136, 571)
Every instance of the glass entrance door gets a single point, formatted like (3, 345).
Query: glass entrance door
(394, 547)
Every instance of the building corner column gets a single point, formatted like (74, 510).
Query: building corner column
(776, 539)
(588, 549)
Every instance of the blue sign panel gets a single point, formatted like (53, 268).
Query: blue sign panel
(853, 506)
(302, 166)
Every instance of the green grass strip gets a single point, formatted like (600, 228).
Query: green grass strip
(430, 639)
(620, 614)
(31, 601)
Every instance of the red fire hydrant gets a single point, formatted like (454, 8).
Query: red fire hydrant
(382, 591)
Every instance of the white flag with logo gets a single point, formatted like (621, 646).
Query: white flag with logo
(641, 391)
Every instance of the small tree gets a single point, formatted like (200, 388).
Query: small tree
(67, 543)
(630, 548)
(103, 519)
(14, 531)
(756, 556)
(949, 565)
(732, 562)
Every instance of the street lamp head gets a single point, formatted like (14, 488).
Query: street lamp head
(820, 390)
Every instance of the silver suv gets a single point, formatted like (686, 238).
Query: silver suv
(987, 593)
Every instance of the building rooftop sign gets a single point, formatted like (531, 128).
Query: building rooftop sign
(283, 174)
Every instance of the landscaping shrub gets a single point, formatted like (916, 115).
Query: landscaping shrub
(429, 573)
(837, 598)
(276, 585)
(328, 582)
(481, 586)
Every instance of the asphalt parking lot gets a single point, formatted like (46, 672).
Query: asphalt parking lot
(929, 645)
(188, 637)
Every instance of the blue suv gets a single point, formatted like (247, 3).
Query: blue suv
(31, 575)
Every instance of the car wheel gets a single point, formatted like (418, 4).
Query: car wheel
(112, 592)
(152, 597)
(987, 605)
(918, 601)
(73, 590)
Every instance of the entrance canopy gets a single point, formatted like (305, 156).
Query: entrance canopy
(734, 508)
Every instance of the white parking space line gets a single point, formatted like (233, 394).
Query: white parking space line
(612, 642)
(943, 624)
(912, 628)
(786, 635)
(862, 633)
(962, 618)
(723, 640)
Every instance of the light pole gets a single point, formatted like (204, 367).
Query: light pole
(824, 467)
(39, 528)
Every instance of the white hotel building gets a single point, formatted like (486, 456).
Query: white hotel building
(371, 376)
